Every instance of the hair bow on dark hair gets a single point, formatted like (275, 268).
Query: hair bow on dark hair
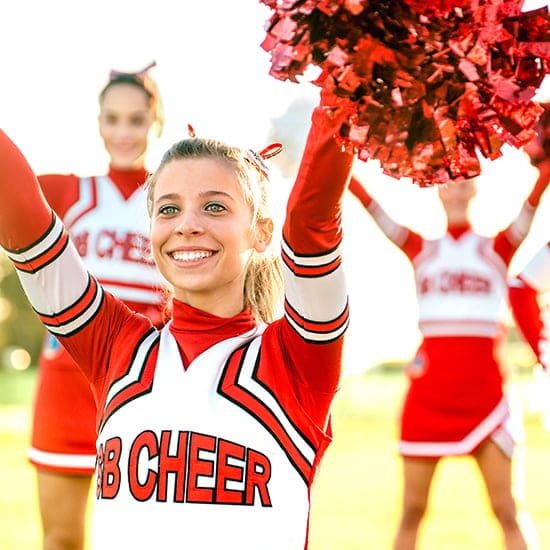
(139, 75)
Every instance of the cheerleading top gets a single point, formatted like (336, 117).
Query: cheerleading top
(219, 449)
(107, 219)
(455, 397)
(527, 292)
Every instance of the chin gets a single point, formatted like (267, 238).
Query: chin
(125, 160)
(125, 164)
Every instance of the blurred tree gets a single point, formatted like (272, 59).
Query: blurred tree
(19, 325)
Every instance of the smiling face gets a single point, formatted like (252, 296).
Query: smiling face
(125, 120)
(203, 233)
(455, 198)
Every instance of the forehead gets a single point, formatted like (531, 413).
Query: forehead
(124, 98)
(458, 188)
(197, 176)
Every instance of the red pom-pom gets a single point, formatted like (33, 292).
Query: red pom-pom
(427, 85)
(538, 149)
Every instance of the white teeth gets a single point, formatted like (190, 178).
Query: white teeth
(190, 256)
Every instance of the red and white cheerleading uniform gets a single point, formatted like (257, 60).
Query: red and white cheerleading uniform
(210, 431)
(455, 399)
(107, 219)
(527, 293)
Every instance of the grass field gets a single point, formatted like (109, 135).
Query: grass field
(357, 495)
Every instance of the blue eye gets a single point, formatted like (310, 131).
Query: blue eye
(214, 207)
(168, 210)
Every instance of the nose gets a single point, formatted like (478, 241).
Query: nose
(189, 223)
(123, 130)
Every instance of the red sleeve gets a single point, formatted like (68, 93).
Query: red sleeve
(316, 308)
(314, 210)
(509, 240)
(24, 213)
(104, 346)
(408, 241)
(527, 312)
(61, 191)
(412, 245)
(359, 192)
(504, 248)
(541, 184)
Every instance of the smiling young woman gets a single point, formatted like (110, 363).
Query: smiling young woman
(211, 430)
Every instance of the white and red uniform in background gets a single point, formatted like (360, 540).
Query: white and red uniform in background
(527, 293)
(211, 431)
(107, 219)
(455, 399)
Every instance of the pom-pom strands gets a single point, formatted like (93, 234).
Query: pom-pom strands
(538, 149)
(427, 84)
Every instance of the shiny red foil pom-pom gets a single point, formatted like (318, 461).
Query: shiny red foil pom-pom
(538, 149)
(428, 85)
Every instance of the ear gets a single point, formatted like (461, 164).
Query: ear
(264, 234)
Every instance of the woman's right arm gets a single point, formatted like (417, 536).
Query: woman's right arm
(51, 271)
(408, 241)
(67, 299)
(62, 292)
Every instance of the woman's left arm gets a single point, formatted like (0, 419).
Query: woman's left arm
(509, 239)
(316, 303)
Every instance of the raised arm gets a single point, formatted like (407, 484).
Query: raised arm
(51, 272)
(24, 213)
(316, 306)
(65, 296)
(314, 210)
(408, 241)
(509, 240)
(525, 293)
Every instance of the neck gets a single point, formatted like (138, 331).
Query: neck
(220, 307)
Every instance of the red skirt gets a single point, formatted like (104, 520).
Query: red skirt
(455, 399)
(64, 422)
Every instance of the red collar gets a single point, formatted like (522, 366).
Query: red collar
(457, 231)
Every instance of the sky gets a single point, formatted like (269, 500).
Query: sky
(213, 74)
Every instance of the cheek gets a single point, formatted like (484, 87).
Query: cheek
(104, 132)
(157, 238)
(141, 134)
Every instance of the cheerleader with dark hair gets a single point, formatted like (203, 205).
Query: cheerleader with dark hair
(106, 217)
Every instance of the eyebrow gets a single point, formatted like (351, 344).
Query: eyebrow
(106, 111)
(205, 194)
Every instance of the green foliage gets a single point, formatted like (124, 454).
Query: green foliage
(19, 325)
(17, 387)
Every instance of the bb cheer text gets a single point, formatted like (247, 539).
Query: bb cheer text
(203, 469)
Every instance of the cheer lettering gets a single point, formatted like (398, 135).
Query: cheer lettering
(199, 468)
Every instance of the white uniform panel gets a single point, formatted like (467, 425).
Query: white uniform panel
(111, 235)
(460, 286)
(193, 394)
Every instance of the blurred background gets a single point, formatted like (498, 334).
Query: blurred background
(212, 73)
